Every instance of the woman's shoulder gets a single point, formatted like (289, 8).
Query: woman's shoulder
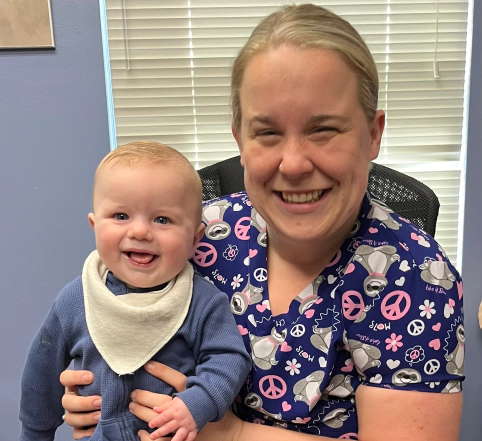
(404, 301)
(232, 198)
(389, 231)
(390, 253)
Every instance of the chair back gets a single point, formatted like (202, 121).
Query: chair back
(403, 194)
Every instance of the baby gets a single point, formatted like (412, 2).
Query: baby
(138, 299)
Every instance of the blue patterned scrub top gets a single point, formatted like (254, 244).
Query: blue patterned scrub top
(386, 312)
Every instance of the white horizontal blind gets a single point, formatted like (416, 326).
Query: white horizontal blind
(171, 64)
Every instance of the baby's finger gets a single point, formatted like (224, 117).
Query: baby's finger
(163, 408)
(165, 430)
(162, 419)
(158, 421)
(191, 436)
(180, 435)
(144, 436)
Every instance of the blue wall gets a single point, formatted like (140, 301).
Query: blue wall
(472, 256)
(53, 133)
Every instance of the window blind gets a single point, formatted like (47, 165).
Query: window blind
(171, 64)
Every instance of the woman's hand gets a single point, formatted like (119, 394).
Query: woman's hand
(82, 413)
(143, 402)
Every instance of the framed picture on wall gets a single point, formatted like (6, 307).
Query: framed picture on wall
(26, 24)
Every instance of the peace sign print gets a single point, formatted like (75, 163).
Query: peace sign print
(298, 330)
(414, 354)
(416, 327)
(241, 229)
(275, 387)
(260, 274)
(205, 254)
(432, 366)
(352, 304)
(395, 305)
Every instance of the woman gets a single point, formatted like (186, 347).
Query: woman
(358, 331)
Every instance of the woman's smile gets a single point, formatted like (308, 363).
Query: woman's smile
(308, 197)
(302, 202)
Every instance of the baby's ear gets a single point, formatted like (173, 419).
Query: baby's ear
(198, 234)
(91, 218)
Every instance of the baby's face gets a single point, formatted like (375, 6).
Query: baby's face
(145, 222)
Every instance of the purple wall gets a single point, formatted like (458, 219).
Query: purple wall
(53, 132)
(472, 251)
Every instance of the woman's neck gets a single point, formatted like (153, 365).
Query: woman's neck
(292, 266)
(313, 255)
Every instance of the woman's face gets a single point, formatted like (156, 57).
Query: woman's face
(305, 142)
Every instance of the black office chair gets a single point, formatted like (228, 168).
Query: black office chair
(403, 194)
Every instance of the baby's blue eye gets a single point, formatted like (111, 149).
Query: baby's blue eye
(161, 220)
(121, 216)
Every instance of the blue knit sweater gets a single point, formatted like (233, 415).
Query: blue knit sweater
(207, 348)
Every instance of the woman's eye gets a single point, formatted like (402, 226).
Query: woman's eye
(121, 216)
(266, 133)
(323, 129)
(161, 220)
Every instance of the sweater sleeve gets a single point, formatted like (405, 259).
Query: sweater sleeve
(41, 401)
(222, 363)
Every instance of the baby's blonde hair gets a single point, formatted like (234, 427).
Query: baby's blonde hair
(144, 153)
(151, 154)
(309, 27)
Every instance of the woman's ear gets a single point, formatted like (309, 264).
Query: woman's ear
(376, 132)
(238, 141)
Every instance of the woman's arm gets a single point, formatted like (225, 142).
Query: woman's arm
(383, 415)
(397, 415)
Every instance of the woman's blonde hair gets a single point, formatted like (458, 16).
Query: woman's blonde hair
(309, 27)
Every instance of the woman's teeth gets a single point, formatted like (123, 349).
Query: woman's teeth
(302, 198)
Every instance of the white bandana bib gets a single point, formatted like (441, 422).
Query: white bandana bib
(128, 330)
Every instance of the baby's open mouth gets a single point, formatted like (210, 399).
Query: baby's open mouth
(141, 258)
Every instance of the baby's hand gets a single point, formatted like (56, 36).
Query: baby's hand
(174, 416)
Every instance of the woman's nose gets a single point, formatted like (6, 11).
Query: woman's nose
(295, 160)
(139, 230)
